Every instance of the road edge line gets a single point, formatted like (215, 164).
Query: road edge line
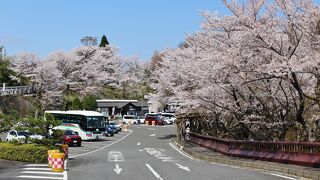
(154, 172)
(181, 152)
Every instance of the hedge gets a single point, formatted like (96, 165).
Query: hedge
(32, 153)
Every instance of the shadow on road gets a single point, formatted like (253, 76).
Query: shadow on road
(168, 136)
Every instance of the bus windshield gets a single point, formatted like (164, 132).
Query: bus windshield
(95, 122)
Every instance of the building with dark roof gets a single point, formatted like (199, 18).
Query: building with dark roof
(110, 107)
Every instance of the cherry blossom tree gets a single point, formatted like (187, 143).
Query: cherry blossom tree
(255, 71)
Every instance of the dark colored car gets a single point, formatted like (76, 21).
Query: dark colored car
(157, 118)
(109, 130)
(71, 138)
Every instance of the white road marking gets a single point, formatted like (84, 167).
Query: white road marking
(130, 131)
(31, 165)
(86, 150)
(167, 159)
(152, 129)
(152, 134)
(43, 169)
(140, 150)
(40, 177)
(138, 143)
(283, 176)
(117, 169)
(65, 172)
(182, 167)
(184, 154)
(41, 172)
(154, 172)
(115, 156)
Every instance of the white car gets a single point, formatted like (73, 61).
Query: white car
(168, 120)
(170, 116)
(129, 119)
(36, 136)
(16, 135)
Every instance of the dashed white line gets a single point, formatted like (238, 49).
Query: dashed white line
(153, 135)
(154, 172)
(184, 154)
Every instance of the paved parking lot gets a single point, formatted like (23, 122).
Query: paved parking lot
(88, 146)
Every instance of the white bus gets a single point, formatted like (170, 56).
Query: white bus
(88, 124)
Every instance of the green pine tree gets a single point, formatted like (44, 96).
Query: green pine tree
(76, 104)
(90, 103)
(104, 41)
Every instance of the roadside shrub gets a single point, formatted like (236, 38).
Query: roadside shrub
(23, 152)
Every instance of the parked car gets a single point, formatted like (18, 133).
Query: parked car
(71, 138)
(109, 130)
(116, 126)
(16, 135)
(167, 120)
(170, 116)
(156, 117)
(141, 119)
(130, 119)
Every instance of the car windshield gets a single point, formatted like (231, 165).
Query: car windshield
(128, 117)
(22, 133)
(95, 121)
(70, 133)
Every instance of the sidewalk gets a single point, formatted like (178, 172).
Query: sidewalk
(214, 157)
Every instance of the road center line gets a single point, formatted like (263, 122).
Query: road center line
(184, 154)
(130, 131)
(154, 172)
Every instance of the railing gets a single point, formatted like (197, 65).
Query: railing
(14, 90)
(299, 153)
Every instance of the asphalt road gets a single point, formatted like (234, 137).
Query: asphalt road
(142, 153)
(146, 153)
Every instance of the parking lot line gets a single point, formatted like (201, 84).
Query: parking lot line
(130, 131)
(43, 169)
(40, 177)
(81, 149)
(36, 165)
(42, 172)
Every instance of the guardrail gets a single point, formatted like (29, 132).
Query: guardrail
(298, 153)
(13, 90)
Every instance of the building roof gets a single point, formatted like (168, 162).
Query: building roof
(77, 112)
(121, 103)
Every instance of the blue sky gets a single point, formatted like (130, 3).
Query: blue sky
(136, 27)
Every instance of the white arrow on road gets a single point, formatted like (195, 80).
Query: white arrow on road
(182, 167)
(117, 169)
(152, 134)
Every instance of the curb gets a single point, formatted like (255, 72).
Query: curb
(254, 164)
